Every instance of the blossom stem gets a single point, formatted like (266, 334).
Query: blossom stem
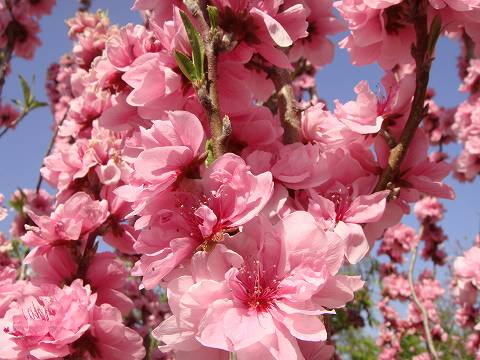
(423, 61)
(208, 94)
(416, 300)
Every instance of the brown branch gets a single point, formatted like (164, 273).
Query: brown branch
(287, 105)
(6, 53)
(285, 99)
(423, 62)
(416, 300)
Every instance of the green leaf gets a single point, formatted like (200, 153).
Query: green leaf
(209, 148)
(185, 65)
(27, 93)
(37, 104)
(198, 48)
(213, 16)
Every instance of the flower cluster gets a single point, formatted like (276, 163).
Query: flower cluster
(421, 295)
(196, 147)
(465, 288)
(19, 26)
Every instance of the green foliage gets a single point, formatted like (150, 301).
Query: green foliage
(210, 156)
(355, 345)
(213, 16)
(29, 101)
(192, 68)
(185, 64)
(18, 202)
(454, 347)
(411, 345)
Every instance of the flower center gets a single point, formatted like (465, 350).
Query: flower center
(241, 25)
(341, 199)
(257, 288)
(34, 310)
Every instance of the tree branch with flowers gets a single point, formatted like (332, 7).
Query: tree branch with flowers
(206, 203)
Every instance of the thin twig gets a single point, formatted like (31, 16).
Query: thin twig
(425, 321)
(423, 62)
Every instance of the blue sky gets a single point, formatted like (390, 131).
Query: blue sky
(22, 150)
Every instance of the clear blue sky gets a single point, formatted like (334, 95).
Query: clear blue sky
(22, 150)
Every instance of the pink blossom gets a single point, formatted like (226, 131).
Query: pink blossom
(467, 267)
(3, 210)
(162, 9)
(83, 21)
(262, 26)
(9, 287)
(299, 166)
(107, 275)
(377, 35)
(151, 79)
(396, 287)
(111, 338)
(262, 294)
(360, 115)
(42, 7)
(8, 115)
(471, 82)
(466, 126)
(45, 321)
(398, 240)
(258, 127)
(129, 43)
(26, 200)
(419, 173)
(26, 39)
(115, 231)
(181, 222)
(90, 32)
(323, 127)
(456, 4)
(345, 208)
(166, 152)
(72, 220)
(429, 209)
(321, 22)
